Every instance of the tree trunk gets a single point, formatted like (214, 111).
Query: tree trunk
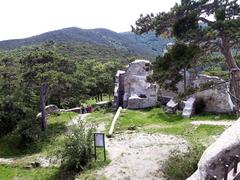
(234, 72)
(43, 99)
(101, 97)
(185, 80)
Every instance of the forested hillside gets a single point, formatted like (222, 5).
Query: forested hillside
(78, 52)
(104, 40)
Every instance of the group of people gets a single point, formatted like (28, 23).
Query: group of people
(87, 109)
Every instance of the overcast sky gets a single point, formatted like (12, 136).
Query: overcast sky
(24, 18)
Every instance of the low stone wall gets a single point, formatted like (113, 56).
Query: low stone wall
(141, 103)
(220, 153)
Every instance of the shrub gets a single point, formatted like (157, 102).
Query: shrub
(182, 165)
(28, 131)
(78, 148)
(10, 115)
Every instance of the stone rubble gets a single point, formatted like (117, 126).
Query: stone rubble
(171, 106)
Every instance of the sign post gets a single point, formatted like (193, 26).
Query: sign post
(99, 141)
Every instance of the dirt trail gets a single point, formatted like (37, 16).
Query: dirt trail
(139, 155)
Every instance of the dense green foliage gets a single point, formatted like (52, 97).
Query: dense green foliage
(167, 67)
(45, 72)
(46, 143)
(78, 148)
(192, 21)
(77, 51)
(41, 71)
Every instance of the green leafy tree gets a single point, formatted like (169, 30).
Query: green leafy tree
(11, 111)
(213, 24)
(43, 70)
(167, 67)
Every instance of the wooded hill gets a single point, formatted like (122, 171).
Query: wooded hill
(91, 43)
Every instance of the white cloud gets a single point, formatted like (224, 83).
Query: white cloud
(23, 18)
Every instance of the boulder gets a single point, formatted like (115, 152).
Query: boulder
(50, 109)
(221, 152)
(216, 100)
(188, 110)
(171, 106)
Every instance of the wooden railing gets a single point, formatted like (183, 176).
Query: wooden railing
(231, 171)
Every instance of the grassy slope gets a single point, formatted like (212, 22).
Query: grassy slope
(10, 173)
(150, 120)
(51, 143)
(155, 120)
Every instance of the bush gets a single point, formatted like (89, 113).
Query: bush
(29, 132)
(10, 115)
(78, 148)
(182, 165)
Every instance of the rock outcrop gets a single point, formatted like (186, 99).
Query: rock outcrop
(214, 94)
(212, 90)
(221, 152)
(132, 89)
(50, 109)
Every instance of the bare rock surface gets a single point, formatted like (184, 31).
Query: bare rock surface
(213, 123)
(221, 152)
(139, 155)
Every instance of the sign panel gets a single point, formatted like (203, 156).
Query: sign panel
(99, 139)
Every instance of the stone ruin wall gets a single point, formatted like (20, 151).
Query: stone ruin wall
(132, 89)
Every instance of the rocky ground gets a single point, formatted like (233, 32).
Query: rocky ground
(213, 123)
(139, 155)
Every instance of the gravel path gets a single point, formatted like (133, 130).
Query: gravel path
(213, 123)
(139, 155)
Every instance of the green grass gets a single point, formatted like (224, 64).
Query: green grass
(90, 169)
(50, 141)
(92, 101)
(146, 117)
(214, 117)
(15, 173)
(155, 120)
(102, 116)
